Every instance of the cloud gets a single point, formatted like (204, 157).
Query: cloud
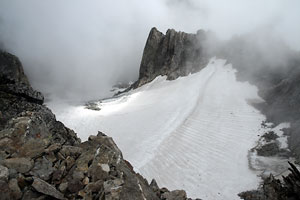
(78, 49)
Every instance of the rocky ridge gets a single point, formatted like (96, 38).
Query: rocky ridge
(173, 54)
(40, 158)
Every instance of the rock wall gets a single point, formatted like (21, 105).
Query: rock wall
(173, 54)
(40, 158)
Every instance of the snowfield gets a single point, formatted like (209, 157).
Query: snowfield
(193, 133)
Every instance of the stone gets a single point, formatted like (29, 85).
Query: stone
(22, 181)
(270, 136)
(70, 161)
(39, 148)
(97, 173)
(269, 149)
(94, 187)
(12, 173)
(22, 165)
(105, 167)
(30, 195)
(63, 187)
(84, 159)
(4, 173)
(86, 180)
(3, 156)
(75, 186)
(53, 148)
(57, 176)
(111, 184)
(14, 188)
(47, 189)
(5, 191)
(42, 169)
(51, 157)
(154, 185)
(78, 175)
(174, 195)
(70, 151)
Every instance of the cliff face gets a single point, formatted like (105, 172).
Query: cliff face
(174, 54)
(40, 158)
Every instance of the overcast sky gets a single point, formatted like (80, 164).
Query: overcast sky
(78, 49)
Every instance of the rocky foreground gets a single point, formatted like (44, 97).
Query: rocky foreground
(40, 158)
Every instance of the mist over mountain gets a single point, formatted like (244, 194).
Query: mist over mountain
(79, 49)
(212, 110)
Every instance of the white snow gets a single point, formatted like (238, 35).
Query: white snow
(192, 133)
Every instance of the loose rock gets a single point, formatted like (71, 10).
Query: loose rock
(45, 188)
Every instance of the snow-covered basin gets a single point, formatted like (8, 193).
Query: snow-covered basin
(192, 133)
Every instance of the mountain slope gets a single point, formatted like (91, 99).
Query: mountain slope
(193, 132)
(40, 158)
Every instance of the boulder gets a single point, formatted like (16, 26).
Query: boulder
(3, 173)
(47, 189)
(14, 188)
(22, 165)
(42, 169)
(174, 195)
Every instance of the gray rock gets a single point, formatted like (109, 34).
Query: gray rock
(45, 188)
(12, 173)
(70, 151)
(74, 186)
(94, 187)
(154, 185)
(3, 173)
(78, 175)
(63, 187)
(42, 169)
(30, 195)
(269, 149)
(175, 195)
(5, 191)
(21, 165)
(39, 148)
(53, 148)
(69, 161)
(15, 190)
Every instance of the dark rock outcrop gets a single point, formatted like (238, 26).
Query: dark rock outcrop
(274, 189)
(40, 158)
(13, 80)
(174, 54)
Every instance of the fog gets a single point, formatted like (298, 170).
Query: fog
(78, 49)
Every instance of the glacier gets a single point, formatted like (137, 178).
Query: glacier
(192, 133)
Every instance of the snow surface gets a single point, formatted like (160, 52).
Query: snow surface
(193, 133)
